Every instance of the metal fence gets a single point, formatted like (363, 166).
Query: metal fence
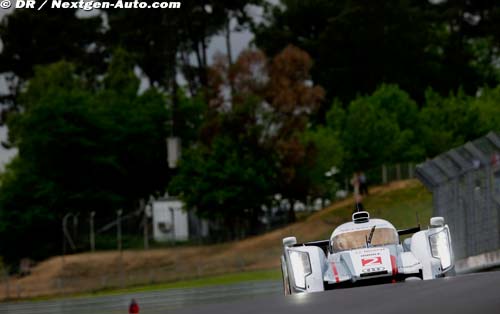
(385, 174)
(394, 172)
(465, 183)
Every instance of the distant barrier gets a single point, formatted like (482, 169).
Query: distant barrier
(465, 183)
(386, 174)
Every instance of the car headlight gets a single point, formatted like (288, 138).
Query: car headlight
(440, 248)
(301, 267)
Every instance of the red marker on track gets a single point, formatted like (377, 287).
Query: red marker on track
(134, 307)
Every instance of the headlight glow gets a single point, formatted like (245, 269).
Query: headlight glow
(301, 267)
(440, 248)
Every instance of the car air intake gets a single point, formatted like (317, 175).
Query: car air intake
(376, 273)
(360, 217)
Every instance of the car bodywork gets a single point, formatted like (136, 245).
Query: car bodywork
(366, 251)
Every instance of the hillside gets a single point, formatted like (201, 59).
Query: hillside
(87, 272)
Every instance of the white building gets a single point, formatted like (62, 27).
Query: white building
(171, 222)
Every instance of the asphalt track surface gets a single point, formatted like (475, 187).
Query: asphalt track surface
(473, 293)
(151, 302)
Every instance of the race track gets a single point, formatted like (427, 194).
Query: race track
(151, 302)
(471, 294)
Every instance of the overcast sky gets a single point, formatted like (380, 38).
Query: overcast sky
(239, 41)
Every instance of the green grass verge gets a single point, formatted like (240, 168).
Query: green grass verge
(400, 207)
(202, 282)
(226, 279)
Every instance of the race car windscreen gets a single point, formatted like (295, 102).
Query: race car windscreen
(357, 239)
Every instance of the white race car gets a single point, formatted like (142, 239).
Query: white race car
(366, 251)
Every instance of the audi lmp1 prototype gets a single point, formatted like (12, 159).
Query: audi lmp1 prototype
(366, 251)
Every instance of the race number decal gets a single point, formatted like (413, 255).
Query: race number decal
(371, 261)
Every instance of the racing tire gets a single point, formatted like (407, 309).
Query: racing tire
(450, 273)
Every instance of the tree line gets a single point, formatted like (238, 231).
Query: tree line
(343, 84)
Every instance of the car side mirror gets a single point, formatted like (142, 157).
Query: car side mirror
(437, 222)
(289, 241)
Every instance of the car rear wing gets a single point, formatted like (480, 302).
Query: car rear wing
(409, 230)
(322, 244)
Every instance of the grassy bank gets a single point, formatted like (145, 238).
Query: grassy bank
(227, 279)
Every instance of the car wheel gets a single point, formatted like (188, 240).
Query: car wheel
(450, 273)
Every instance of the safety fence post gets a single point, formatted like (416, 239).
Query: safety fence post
(384, 174)
(398, 172)
(7, 284)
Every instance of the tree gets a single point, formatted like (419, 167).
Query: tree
(163, 40)
(325, 152)
(293, 99)
(472, 40)
(449, 122)
(80, 150)
(358, 45)
(191, 114)
(152, 37)
(264, 119)
(489, 110)
(230, 179)
(43, 37)
(380, 128)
